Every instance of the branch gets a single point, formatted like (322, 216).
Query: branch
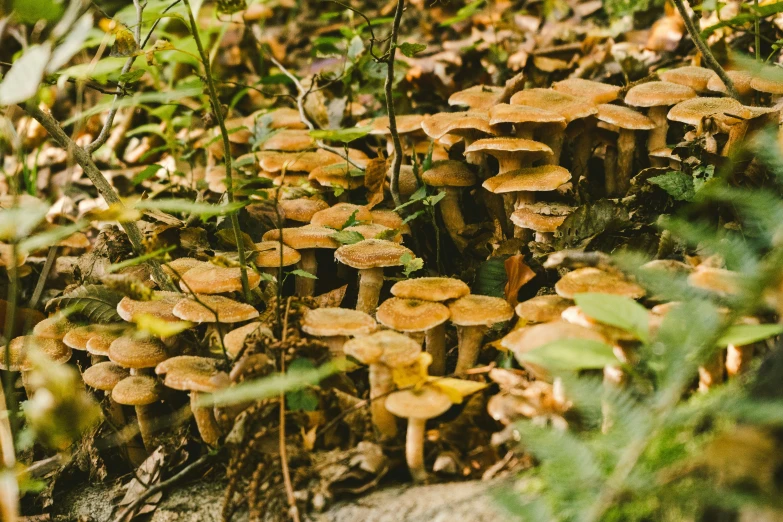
(394, 186)
(106, 191)
(701, 45)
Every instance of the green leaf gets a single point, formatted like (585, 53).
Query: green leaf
(132, 76)
(571, 355)
(19, 222)
(21, 82)
(305, 399)
(491, 277)
(139, 259)
(615, 310)
(464, 13)
(148, 172)
(204, 210)
(341, 135)
(351, 221)
(303, 273)
(742, 334)
(677, 184)
(227, 237)
(410, 264)
(347, 237)
(411, 49)
(33, 11)
(95, 302)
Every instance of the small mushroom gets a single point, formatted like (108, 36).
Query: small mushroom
(478, 97)
(473, 315)
(596, 92)
(234, 340)
(417, 406)
(227, 310)
(79, 338)
(336, 325)
(542, 308)
(305, 240)
(301, 210)
(511, 153)
(270, 259)
(54, 327)
(104, 376)
(658, 97)
(141, 392)
(452, 177)
(627, 122)
(592, 279)
(697, 78)
(18, 350)
(213, 279)
(160, 306)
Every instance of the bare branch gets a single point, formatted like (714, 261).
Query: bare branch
(394, 186)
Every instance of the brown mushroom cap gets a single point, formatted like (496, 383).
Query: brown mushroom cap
(623, 117)
(532, 217)
(523, 340)
(696, 78)
(411, 315)
(284, 118)
(191, 373)
(657, 94)
(338, 175)
(449, 173)
(213, 279)
(592, 279)
(331, 322)
(337, 215)
(596, 92)
(391, 219)
(137, 353)
(100, 343)
(228, 310)
(159, 306)
(766, 84)
(477, 97)
(718, 280)
(273, 161)
(19, 348)
(387, 346)
(301, 210)
(542, 308)
(54, 327)
(406, 123)
(289, 140)
(741, 79)
(575, 315)
(725, 110)
(79, 337)
(430, 288)
(235, 339)
(308, 236)
(426, 403)
(136, 390)
(104, 376)
(534, 149)
(178, 267)
(529, 179)
(371, 253)
(568, 106)
(269, 255)
(480, 310)
(442, 123)
(507, 113)
(374, 230)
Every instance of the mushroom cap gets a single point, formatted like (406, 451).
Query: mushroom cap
(338, 175)
(391, 219)
(591, 279)
(160, 306)
(769, 84)
(575, 315)
(191, 373)
(284, 118)
(235, 339)
(289, 140)
(658, 94)
(54, 327)
(667, 265)
(411, 315)
(542, 308)
(718, 280)
(408, 181)
(477, 97)
(696, 78)
(331, 322)
(500, 147)
(19, 347)
(425, 403)
(308, 236)
(568, 106)
(442, 123)
(623, 117)
(742, 82)
(274, 161)
(507, 113)
(100, 343)
(480, 310)
(528, 179)
(371, 253)
(430, 288)
(449, 173)
(213, 279)
(596, 92)
(725, 110)
(337, 215)
(228, 310)
(104, 376)
(137, 353)
(136, 390)
(375, 230)
(238, 130)
(529, 217)
(269, 255)
(301, 210)
(176, 268)
(387, 346)
(79, 337)
(523, 340)
(406, 123)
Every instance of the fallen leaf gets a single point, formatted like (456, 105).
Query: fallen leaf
(332, 299)
(518, 274)
(374, 181)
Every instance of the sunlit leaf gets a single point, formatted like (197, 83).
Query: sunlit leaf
(615, 310)
(571, 355)
(742, 334)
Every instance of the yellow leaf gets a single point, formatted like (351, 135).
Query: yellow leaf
(414, 375)
(159, 327)
(456, 389)
(116, 212)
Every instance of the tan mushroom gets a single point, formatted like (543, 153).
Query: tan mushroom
(627, 122)
(218, 309)
(301, 210)
(591, 279)
(18, 353)
(478, 97)
(270, 258)
(336, 325)
(234, 340)
(473, 315)
(658, 97)
(542, 308)
(305, 240)
(697, 78)
(451, 177)
(596, 92)
(213, 279)
(141, 392)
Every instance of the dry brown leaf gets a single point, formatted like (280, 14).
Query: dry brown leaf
(331, 299)
(150, 473)
(518, 275)
(374, 181)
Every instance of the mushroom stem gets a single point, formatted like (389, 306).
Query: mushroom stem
(470, 339)
(305, 286)
(435, 339)
(335, 344)
(555, 142)
(583, 149)
(414, 449)
(610, 171)
(657, 138)
(736, 136)
(28, 389)
(452, 216)
(626, 143)
(145, 419)
(370, 283)
(205, 420)
(381, 384)
(738, 359)
(521, 199)
(613, 378)
(712, 372)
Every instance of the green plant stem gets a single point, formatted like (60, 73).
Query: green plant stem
(10, 402)
(216, 108)
(701, 45)
(106, 191)
(394, 186)
(757, 29)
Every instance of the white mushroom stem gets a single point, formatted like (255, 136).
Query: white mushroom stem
(435, 342)
(657, 138)
(145, 417)
(370, 283)
(711, 373)
(626, 144)
(452, 216)
(470, 339)
(305, 286)
(522, 199)
(335, 344)
(738, 358)
(414, 449)
(205, 420)
(381, 384)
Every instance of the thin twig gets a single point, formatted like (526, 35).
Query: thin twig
(701, 45)
(51, 257)
(289, 488)
(218, 111)
(394, 185)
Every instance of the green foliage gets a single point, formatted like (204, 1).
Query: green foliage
(411, 49)
(97, 303)
(618, 311)
(617, 8)
(571, 355)
(410, 264)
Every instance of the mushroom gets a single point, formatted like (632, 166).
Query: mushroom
(138, 355)
(289, 140)
(54, 327)
(469, 126)
(391, 219)
(305, 240)
(301, 210)
(141, 392)
(596, 92)
(336, 325)
(542, 308)
(473, 315)
(336, 216)
(234, 340)
(415, 315)
(274, 162)
(341, 175)
(768, 83)
(451, 177)
(375, 231)
(104, 376)
(542, 218)
(527, 121)
(370, 256)
(17, 352)
(658, 96)
(382, 352)
(627, 122)
(227, 310)
(408, 125)
(591, 279)
(178, 267)
(417, 406)
(478, 97)
(511, 153)
(284, 118)
(742, 83)
(213, 279)
(269, 258)
(738, 357)
(697, 78)
(160, 306)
